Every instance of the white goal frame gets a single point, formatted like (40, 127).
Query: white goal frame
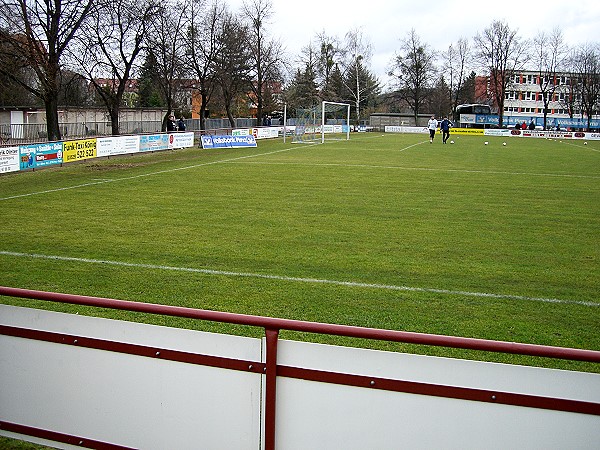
(339, 106)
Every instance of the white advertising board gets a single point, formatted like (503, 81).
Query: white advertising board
(403, 129)
(181, 140)
(117, 145)
(9, 159)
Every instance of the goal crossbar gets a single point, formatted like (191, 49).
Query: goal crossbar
(328, 107)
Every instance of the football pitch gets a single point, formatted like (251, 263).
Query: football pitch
(384, 230)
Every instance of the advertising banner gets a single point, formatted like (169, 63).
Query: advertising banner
(241, 132)
(40, 155)
(9, 159)
(403, 129)
(79, 150)
(331, 129)
(265, 133)
(117, 145)
(497, 132)
(154, 142)
(467, 118)
(228, 141)
(556, 134)
(181, 140)
(471, 131)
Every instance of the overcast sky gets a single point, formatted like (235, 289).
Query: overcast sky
(437, 23)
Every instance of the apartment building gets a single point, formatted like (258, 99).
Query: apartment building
(524, 97)
(523, 101)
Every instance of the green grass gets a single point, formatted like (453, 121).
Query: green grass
(519, 221)
(14, 444)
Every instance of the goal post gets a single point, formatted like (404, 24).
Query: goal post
(335, 120)
(328, 121)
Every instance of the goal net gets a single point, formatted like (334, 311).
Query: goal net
(307, 125)
(335, 121)
(327, 121)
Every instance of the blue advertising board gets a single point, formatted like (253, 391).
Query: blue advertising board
(510, 121)
(39, 155)
(154, 142)
(228, 141)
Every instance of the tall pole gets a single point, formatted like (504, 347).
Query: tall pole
(284, 121)
(348, 124)
(322, 122)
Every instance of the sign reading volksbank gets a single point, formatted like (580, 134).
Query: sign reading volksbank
(228, 141)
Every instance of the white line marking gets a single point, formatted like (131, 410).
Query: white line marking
(411, 146)
(426, 169)
(77, 186)
(302, 280)
(581, 146)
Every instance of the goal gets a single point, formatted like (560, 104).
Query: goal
(335, 120)
(328, 121)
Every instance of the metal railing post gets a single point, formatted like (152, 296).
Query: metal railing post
(272, 336)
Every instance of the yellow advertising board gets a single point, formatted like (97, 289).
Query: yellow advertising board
(472, 131)
(79, 150)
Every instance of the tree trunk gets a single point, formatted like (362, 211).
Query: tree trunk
(204, 99)
(52, 128)
(230, 116)
(114, 120)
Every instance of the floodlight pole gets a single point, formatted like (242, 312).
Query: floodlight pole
(322, 122)
(284, 121)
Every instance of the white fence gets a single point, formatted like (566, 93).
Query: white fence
(69, 381)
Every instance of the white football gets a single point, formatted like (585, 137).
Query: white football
(486, 142)
(585, 143)
(504, 143)
(452, 142)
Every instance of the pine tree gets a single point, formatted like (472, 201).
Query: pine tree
(149, 92)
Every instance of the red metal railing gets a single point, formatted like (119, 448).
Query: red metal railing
(272, 327)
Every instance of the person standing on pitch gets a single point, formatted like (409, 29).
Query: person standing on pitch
(445, 127)
(432, 125)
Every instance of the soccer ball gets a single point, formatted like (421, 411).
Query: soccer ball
(585, 143)
(504, 143)
(452, 142)
(486, 142)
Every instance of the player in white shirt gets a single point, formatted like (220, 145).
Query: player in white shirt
(432, 125)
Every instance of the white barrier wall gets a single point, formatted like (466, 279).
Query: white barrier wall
(151, 387)
(134, 401)
(319, 415)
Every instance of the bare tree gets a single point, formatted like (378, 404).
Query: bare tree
(14, 66)
(265, 54)
(548, 55)
(165, 37)
(41, 31)
(305, 81)
(108, 48)
(501, 52)
(204, 46)
(586, 65)
(328, 58)
(456, 66)
(358, 80)
(233, 71)
(415, 72)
